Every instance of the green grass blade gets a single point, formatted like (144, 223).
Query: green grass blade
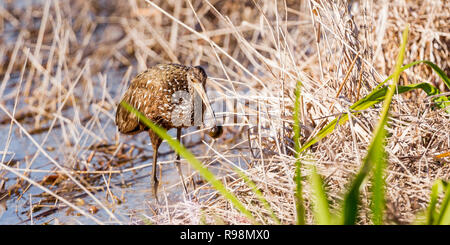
(298, 195)
(351, 200)
(298, 174)
(438, 70)
(444, 213)
(431, 215)
(378, 95)
(378, 157)
(321, 208)
(375, 154)
(258, 194)
(186, 154)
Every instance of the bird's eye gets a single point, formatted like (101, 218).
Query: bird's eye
(216, 131)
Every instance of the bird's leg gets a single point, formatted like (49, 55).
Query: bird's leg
(156, 142)
(178, 163)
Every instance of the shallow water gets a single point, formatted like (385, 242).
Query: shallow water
(136, 197)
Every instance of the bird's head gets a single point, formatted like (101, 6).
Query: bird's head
(197, 79)
(198, 75)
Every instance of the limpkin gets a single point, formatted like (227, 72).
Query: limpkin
(165, 94)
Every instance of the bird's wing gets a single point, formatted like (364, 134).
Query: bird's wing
(127, 122)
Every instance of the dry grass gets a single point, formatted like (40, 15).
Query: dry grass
(65, 64)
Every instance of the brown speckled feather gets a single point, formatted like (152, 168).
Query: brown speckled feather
(150, 93)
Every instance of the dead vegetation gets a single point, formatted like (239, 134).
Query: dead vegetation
(65, 64)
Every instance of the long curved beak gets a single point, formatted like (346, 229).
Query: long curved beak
(201, 92)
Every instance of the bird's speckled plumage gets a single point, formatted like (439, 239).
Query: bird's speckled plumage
(151, 92)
